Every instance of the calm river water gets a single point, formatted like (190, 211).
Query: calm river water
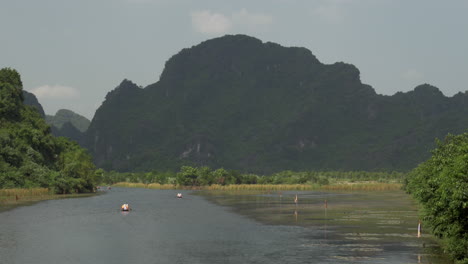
(212, 228)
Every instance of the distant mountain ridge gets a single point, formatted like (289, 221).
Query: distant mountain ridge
(64, 116)
(65, 123)
(238, 103)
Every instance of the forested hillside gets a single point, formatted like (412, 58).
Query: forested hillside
(238, 103)
(29, 155)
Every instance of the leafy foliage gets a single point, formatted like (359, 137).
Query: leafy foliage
(205, 176)
(441, 186)
(241, 104)
(29, 155)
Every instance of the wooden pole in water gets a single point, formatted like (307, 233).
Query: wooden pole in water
(295, 211)
(326, 219)
(419, 228)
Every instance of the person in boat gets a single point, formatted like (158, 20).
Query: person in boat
(179, 195)
(125, 207)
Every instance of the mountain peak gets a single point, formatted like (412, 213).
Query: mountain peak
(125, 88)
(64, 116)
(237, 55)
(428, 90)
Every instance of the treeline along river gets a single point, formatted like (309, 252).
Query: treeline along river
(217, 228)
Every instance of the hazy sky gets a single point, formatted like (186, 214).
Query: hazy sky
(70, 53)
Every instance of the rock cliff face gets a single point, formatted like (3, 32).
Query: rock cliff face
(31, 100)
(238, 103)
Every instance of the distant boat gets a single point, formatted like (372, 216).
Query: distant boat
(125, 207)
(179, 195)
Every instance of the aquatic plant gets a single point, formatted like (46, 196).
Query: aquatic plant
(18, 193)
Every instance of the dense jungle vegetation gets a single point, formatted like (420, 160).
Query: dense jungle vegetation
(30, 156)
(205, 176)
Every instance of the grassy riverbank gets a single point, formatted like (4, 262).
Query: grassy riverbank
(11, 198)
(338, 186)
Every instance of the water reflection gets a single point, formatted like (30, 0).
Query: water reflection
(246, 228)
(124, 213)
(369, 227)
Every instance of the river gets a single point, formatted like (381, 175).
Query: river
(208, 228)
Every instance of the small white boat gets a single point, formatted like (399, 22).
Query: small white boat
(125, 207)
(179, 195)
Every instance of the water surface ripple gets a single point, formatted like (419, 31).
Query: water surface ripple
(164, 229)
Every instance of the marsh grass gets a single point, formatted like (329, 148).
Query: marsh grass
(362, 186)
(147, 186)
(261, 187)
(11, 198)
(339, 186)
(21, 194)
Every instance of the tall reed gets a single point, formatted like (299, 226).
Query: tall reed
(24, 192)
(262, 187)
(15, 195)
(340, 186)
(363, 186)
(143, 185)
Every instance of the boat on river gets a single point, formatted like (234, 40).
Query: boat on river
(125, 207)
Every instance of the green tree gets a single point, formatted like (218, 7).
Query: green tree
(441, 185)
(221, 176)
(11, 94)
(76, 169)
(188, 176)
(205, 176)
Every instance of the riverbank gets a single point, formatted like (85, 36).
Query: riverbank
(12, 198)
(338, 186)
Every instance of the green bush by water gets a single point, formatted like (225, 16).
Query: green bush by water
(441, 186)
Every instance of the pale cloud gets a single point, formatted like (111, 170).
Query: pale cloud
(208, 22)
(55, 92)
